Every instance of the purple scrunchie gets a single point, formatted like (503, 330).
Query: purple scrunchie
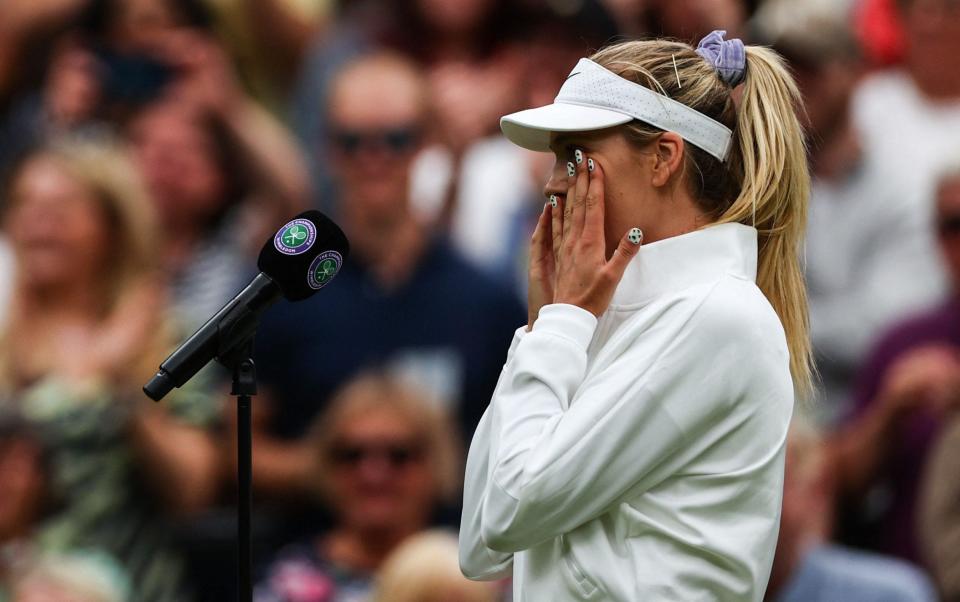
(728, 57)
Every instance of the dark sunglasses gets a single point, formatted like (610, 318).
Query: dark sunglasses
(948, 225)
(394, 140)
(397, 455)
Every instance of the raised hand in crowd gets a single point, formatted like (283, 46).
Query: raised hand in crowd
(204, 75)
(73, 90)
(927, 377)
(20, 22)
(205, 80)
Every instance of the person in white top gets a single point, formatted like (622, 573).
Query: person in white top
(634, 446)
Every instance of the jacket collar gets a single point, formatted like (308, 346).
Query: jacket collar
(679, 262)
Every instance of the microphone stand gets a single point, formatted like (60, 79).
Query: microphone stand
(244, 388)
(232, 331)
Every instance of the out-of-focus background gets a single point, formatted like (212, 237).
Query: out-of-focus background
(148, 147)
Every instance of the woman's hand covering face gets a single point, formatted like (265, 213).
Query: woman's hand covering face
(567, 255)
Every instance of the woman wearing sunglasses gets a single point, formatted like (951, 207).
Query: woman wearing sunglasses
(386, 459)
(634, 447)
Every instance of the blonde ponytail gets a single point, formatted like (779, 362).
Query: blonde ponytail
(774, 190)
(764, 181)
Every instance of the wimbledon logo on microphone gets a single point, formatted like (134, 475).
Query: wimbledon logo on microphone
(296, 237)
(323, 269)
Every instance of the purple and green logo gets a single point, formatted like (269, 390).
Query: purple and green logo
(296, 237)
(323, 269)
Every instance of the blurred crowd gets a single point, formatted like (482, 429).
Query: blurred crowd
(149, 147)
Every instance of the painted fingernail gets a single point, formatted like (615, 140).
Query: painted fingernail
(553, 200)
(635, 236)
(571, 170)
(578, 155)
(590, 164)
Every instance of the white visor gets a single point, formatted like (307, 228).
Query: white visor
(594, 98)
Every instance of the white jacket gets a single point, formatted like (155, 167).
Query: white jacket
(639, 457)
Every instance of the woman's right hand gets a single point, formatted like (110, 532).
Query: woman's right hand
(567, 254)
(543, 261)
(586, 278)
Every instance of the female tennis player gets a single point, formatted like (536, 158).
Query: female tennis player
(634, 447)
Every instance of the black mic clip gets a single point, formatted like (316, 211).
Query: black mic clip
(233, 329)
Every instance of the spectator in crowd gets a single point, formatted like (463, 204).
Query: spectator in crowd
(26, 27)
(326, 56)
(939, 505)
(222, 172)
(196, 189)
(104, 62)
(807, 568)
(221, 182)
(122, 55)
(909, 118)
(385, 456)
(498, 195)
(405, 301)
(472, 64)
(85, 332)
(27, 572)
(424, 568)
(910, 380)
(857, 282)
(473, 68)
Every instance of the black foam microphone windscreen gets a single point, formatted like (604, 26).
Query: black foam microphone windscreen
(304, 255)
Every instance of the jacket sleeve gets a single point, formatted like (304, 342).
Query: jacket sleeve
(569, 449)
(477, 561)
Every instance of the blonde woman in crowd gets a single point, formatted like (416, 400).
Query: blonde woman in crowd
(386, 458)
(634, 448)
(424, 569)
(86, 328)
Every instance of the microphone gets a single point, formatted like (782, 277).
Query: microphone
(301, 258)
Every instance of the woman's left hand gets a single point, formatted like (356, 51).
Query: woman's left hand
(585, 277)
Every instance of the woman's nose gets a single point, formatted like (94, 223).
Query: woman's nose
(557, 183)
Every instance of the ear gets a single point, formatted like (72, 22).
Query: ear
(669, 151)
